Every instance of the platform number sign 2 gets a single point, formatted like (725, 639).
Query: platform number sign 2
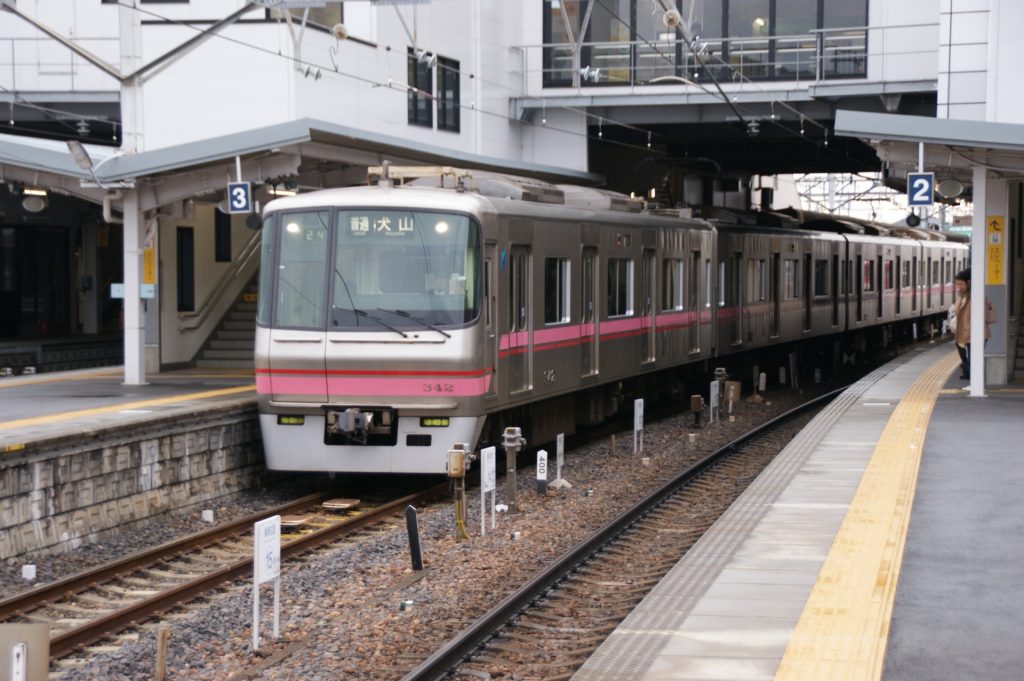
(920, 189)
(239, 197)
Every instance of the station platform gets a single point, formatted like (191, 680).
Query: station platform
(883, 543)
(52, 406)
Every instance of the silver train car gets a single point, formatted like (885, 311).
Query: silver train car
(394, 322)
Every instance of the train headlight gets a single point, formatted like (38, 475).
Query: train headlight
(433, 422)
(283, 420)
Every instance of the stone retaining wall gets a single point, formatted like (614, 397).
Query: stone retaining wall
(60, 494)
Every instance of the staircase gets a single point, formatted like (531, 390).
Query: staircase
(231, 344)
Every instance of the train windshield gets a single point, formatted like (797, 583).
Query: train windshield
(406, 269)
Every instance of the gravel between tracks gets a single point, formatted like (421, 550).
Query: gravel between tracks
(341, 609)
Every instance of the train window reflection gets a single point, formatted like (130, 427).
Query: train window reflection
(413, 267)
(300, 271)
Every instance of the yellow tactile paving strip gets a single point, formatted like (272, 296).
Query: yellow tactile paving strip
(844, 627)
(115, 408)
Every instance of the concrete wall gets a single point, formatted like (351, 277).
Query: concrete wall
(177, 346)
(61, 495)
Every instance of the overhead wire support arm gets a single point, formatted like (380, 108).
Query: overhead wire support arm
(85, 54)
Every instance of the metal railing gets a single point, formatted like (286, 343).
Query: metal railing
(811, 57)
(241, 267)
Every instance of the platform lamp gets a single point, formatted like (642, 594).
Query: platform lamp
(82, 160)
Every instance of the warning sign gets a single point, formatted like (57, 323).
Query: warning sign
(994, 240)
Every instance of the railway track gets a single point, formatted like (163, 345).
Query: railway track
(547, 628)
(92, 605)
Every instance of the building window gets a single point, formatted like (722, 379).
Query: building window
(447, 94)
(620, 287)
(622, 44)
(221, 236)
(319, 17)
(556, 290)
(186, 253)
(421, 89)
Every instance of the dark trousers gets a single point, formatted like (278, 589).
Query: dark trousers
(965, 360)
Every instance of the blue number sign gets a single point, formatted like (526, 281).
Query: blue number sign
(920, 189)
(239, 197)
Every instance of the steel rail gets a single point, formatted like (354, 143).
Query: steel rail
(459, 648)
(67, 641)
(83, 580)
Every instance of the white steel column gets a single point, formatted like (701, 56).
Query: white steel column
(977, 336)
(134, 322)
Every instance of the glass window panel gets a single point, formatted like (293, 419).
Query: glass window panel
(300, 271)
(558, 57)
(843, 13)
(407, 268)
(556, 290)
(447, 94)
(749, 18)
(609, 41)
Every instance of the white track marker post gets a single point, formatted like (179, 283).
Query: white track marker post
(762, 382)
(542, 472)
(713, 402)
(266, 566)
(638, 426)
(488, 483)
(560, 482)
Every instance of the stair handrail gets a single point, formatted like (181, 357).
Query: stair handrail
(190, 321)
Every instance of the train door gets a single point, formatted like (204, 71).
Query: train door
(735, 297)
(928, 279)
(913, 284)
(775, 302)
(588, 286)
(880, 283)
(899, 284)
(648, 342)
(693, 300)
(520, 346)
(490, 322)
(835, 290)
(858, 281)
(808, 291)
(302, 271)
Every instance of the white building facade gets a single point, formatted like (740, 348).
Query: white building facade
(695, 98)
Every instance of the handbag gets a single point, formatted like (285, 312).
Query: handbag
(951, 318)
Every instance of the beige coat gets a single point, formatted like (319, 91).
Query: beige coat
(963, 320)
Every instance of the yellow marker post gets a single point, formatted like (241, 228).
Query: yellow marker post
(994, 239)
(149, 265)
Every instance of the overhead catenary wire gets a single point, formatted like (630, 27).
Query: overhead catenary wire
(390, 83)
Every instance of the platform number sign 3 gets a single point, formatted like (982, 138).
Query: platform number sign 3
(239, 197)
(920, 189)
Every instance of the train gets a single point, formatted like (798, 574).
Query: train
(429, 311)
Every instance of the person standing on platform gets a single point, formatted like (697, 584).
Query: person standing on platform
(962, 335)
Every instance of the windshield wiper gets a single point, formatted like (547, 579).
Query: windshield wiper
(424, 322)
(363, 313)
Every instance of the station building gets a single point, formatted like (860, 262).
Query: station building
(686, 102)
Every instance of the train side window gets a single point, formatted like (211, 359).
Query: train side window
(672, 284)
(820, 278)
(868, 275)
(693, 283)
(556, 290)
(887, 279)
(620, 287)
(790, 279)
(721, 283)
(707, 282)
